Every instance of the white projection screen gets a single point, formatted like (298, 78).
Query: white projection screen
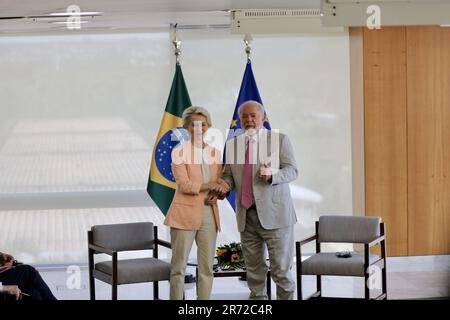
(79, 116)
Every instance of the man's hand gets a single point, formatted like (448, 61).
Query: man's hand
(265, 173)
(13, 290)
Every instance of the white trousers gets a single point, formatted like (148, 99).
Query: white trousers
(182, 241)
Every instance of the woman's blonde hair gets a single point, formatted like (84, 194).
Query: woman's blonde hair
(189, 112)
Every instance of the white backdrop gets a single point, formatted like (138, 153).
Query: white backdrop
(79, 116)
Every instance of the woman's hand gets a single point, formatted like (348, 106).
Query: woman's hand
(208, 186)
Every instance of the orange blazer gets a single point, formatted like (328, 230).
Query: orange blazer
(186, 209)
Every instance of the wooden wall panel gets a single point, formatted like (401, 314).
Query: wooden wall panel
(428, 78)
(385, 132)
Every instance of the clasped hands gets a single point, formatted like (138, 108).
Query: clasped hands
(217, 190)
(220, 188)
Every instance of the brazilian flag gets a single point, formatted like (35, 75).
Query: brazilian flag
(161, 182)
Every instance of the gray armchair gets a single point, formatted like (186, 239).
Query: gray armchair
(113, 238)
(344, 229)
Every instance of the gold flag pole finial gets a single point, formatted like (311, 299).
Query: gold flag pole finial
(176, 43)
(248, 48)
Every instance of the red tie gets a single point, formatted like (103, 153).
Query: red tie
(247, 177)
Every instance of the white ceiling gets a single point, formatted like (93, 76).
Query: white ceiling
(130, 15)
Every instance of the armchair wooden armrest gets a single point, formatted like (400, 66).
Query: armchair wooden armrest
(101, 249)
(163, 243)
(307, 240)
(376, 241)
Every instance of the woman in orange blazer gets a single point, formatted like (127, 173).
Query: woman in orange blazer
(193, 214)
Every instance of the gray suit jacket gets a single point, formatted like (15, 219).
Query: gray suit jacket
(273, 200)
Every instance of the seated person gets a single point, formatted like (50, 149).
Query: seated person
(18, 279)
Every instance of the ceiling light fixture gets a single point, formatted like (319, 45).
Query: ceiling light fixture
(68, 14)
(57, 15)
(68, 22)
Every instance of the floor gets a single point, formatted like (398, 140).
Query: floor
(420, 277)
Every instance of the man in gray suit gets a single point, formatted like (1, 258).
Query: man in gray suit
(264, 209)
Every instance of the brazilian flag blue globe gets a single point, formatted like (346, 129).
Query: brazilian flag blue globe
(164, 148)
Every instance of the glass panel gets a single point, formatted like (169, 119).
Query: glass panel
(80, 115)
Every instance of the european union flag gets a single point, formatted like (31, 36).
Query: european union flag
(249, 91)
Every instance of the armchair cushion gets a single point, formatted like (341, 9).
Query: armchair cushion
(326, 263)
(124, 236)
(136, 270)
(348, 229)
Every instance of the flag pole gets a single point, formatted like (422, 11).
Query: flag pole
(176, 43)
(248, 46)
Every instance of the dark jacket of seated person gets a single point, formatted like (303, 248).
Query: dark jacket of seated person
(22, 280)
